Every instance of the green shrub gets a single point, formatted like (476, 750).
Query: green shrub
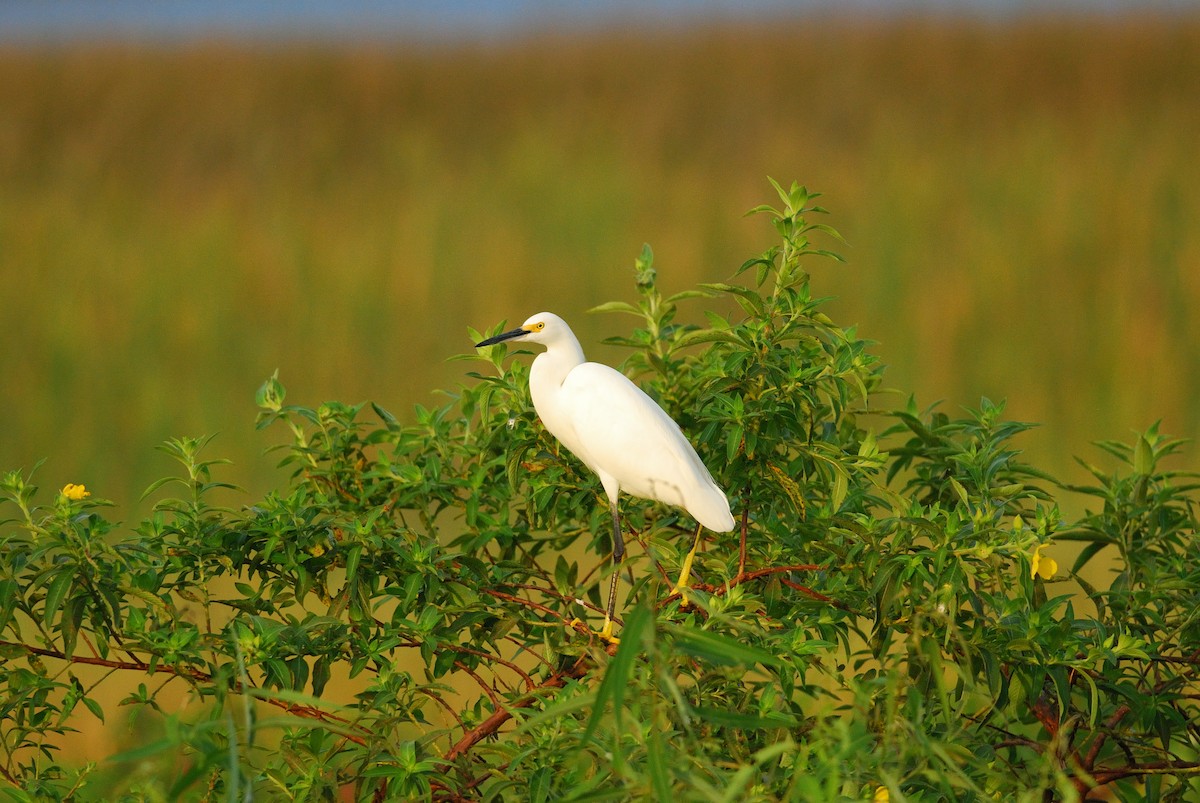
(410, 615)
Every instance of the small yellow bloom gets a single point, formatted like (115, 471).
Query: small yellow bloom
(316, 550)
(75, 492)
(1043, 567)
(881, 795)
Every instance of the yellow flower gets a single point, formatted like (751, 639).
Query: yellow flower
(316, 550)
(881, 795)
(75, 492)
(1042, 567)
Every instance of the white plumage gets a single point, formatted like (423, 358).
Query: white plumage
(617, 431)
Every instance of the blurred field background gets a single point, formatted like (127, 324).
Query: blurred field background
(1021, 198)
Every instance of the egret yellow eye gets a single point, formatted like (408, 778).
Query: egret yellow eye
(539, 326)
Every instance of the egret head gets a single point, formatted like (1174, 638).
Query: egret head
(544, 328)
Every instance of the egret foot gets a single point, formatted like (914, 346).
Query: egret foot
(682, 591)
(681, 587)
(606, 632)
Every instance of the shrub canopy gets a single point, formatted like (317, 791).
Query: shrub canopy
(410, 615)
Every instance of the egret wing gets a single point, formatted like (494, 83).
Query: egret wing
(623, 432)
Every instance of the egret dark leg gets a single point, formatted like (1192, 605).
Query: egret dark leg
(681, 587)
(618, 547)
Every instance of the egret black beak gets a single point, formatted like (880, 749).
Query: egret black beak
(500, 338)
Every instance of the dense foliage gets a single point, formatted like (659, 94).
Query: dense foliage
(411, 615)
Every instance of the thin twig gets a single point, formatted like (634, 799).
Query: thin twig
(510, 598)
(488, 690)
(1105, 777)
(529, 682)
(817, 595)
(308, 712)
(501, 715)
(135, 665)
(437, 698)
(556, 593)
(415, 644)
(1089, 761)
(795, 567)
(525, 648)
(666, 578)
(1020, 741)
(760, 573)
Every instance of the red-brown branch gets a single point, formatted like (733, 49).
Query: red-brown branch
(666, 578)
(108, 663)
(538, 656)
(510, 598)
(198, 675)
(796, 567)
(488, 690)
(501, 715)
(817, 595)
(1089, 761)
(529, 682)
(437, 698)
(1048, 718)
(556, 593)
(757, 574)
(459, 648)
(1104, 777)
(1020, 741)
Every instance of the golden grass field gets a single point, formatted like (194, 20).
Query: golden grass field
(1021, 202)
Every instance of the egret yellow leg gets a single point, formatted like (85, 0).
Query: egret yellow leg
(681, 587)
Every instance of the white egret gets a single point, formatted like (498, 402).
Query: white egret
(620, 433)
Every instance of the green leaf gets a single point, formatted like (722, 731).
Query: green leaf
(56, 592)
(8, 601)
(620, 670)
(658, 766)
(684, 295)
(142, 752)
(742, 721)
(1087, 554)
(563, 708)
(960, 492)
(154, 486)
(780, 191)
(838, 492)
(736, 789)
(602, 794)
(617, 306)
(1088, 536)
(94, 707)
(384, 416)
(717, 648)
(539, 785)
(751, 297)
(1143, 457)
(320, 674)
(271, 393)
(708, 336)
